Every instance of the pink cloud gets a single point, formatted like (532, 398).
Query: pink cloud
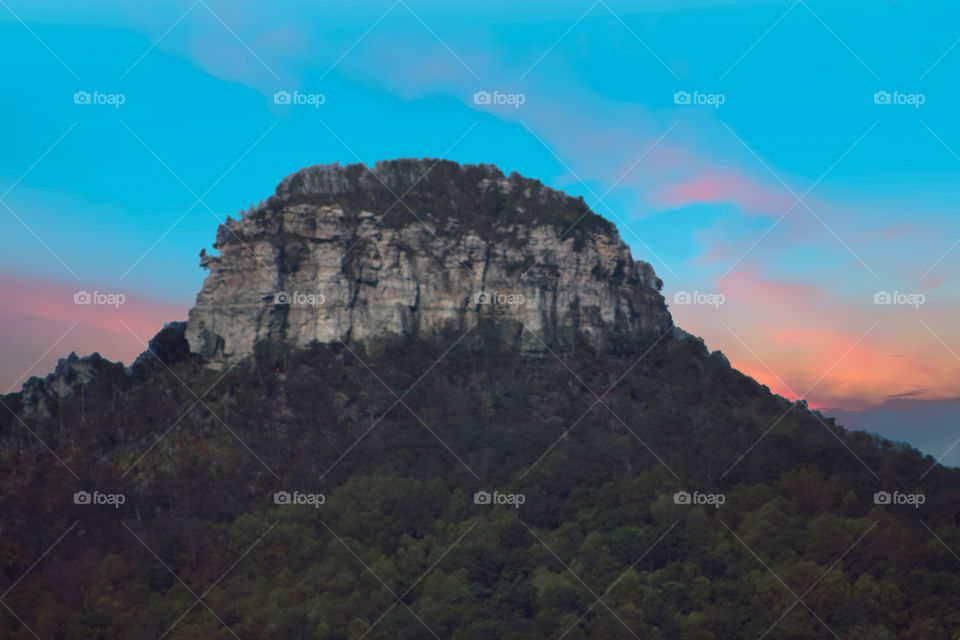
(745, 285)
(895, 232)
(38, 313)
(725, 185)
(845, 352)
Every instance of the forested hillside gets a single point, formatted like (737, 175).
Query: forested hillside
(329, 493)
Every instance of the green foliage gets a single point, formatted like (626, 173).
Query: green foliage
(398, 521)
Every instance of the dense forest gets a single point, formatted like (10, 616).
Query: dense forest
(340, 492)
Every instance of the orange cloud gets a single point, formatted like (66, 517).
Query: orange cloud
(844, 352)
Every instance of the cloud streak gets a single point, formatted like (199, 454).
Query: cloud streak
(43, 317)
(850, 352)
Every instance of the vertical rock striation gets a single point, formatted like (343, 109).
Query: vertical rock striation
(415, 246)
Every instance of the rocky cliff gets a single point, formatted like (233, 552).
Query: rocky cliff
(73, 376)
(414, 246)
(40, 397)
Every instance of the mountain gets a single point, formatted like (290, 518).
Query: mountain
(929, 425)
(430, 400)
(356, 261)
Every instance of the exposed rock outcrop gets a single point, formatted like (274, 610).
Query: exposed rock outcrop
(41, 397)
(73, 376)
(414, 246)
(167, 348)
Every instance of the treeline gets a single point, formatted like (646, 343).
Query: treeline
(395, 546)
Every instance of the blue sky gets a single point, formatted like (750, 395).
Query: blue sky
(99, 196)
(199, 98)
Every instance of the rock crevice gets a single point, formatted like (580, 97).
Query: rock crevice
(334, 254)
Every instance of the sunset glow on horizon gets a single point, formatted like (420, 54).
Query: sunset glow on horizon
(801, 201)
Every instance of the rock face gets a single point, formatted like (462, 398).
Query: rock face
(415, 246)
(40, 397)
(165, 349)
(74, 376)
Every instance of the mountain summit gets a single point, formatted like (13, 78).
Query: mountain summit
(415, 246)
